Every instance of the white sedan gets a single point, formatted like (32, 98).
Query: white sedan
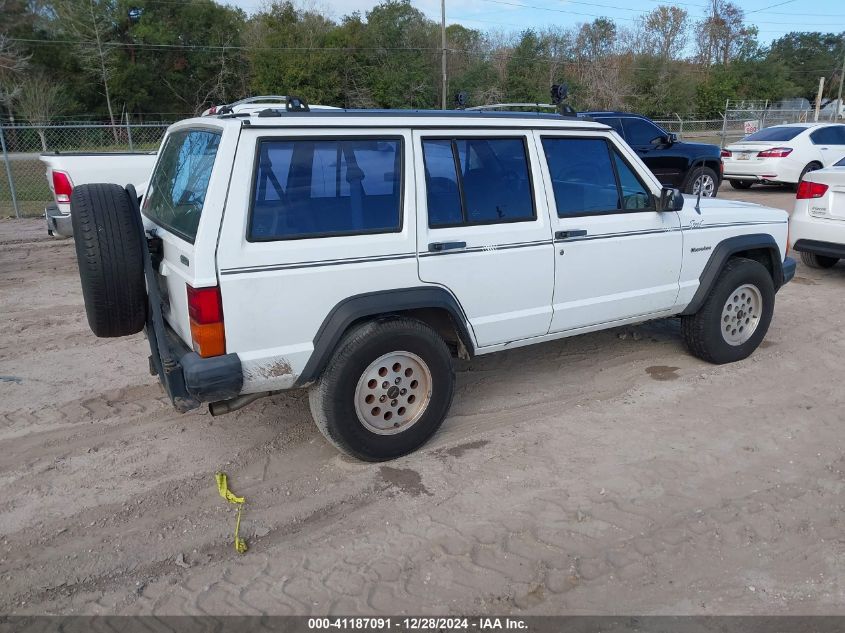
(817, 225)
(783, 154)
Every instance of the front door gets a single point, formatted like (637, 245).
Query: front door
(649, 142)
(483, 230)
(616, 257)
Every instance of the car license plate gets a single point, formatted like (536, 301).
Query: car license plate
(743, 155)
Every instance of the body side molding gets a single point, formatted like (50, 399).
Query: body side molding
(374, 304)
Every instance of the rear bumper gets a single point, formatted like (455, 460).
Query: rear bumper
(190, 379)
(817, 247)
(58, 223)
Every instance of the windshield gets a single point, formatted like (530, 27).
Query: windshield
(178, 185)
(775, 134)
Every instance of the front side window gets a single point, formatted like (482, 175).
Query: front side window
(177, 189)
(321, 188)
(641, 132)
(589, 177)
(477, 181)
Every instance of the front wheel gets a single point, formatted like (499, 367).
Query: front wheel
(735, 316)
(386, 390)
(703, 179)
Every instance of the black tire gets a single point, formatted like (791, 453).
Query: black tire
(702, 331)
(332, 399)
(807, 170)
(741, 184)
(108, 251)
(695, 173)
(818, 261)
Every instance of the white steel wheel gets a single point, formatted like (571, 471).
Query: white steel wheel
(741, 314)
(393, 393)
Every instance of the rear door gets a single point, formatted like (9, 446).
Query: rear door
(483, 229)
(830, 141)
(616, 256)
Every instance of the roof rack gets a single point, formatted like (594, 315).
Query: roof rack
(503, 106)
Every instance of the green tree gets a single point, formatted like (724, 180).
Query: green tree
(805, 57)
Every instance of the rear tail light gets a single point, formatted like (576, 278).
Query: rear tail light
(775, 152)
(205, 310)
(62, 186)
(726, 153)
(808, 190)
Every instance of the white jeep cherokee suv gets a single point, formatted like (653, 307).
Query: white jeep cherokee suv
(357, 252)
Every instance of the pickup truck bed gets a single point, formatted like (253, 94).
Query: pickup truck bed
(68, 170)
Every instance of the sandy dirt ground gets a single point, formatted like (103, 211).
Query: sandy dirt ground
(607, 473)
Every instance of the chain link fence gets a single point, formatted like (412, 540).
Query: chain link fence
(694, 130)
(24, 190)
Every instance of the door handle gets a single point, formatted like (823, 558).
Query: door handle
(439, 247)
(565, 235)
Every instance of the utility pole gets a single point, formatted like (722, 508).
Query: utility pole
(443, 51)
(819, 99)
(839, 107)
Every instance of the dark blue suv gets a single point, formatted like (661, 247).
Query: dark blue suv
(687, 166)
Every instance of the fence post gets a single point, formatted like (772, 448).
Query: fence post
(725, 121)
(129, 133)
(9, 173)
(680, 127)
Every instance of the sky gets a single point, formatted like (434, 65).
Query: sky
(772, 17)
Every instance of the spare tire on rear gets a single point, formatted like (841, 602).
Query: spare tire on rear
(109, 252)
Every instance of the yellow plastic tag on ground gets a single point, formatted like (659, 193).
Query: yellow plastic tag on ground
(228, 495)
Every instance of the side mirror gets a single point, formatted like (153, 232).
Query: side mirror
(671, 199)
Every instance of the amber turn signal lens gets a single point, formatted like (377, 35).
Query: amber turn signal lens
(209, 339)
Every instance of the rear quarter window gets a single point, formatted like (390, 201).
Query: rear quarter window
(326, 187)
(176, 194)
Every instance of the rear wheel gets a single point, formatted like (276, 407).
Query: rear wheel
(735, 316)
(741, 184)
(386, 390)
(111, 266)
(818, 261)
(807, 170)
(705, 179)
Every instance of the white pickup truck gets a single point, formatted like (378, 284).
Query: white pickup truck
(66, 171)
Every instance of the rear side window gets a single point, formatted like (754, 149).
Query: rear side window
(321, 188)
(775, 134)
(831, 135)
(477, 181)
(589, 177)
(177, 189)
